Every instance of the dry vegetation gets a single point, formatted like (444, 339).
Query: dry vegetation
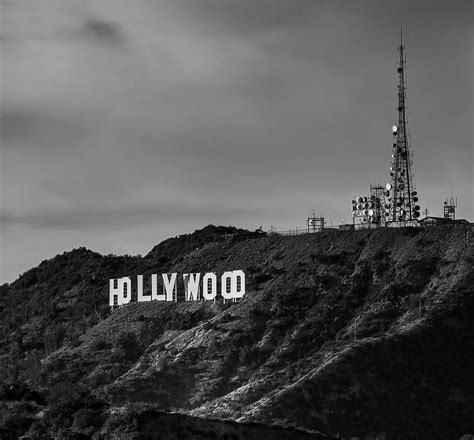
(346, 333)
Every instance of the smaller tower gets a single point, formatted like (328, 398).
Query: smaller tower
(314, 224)
(376, 196)
(449, 208)
(368, 211)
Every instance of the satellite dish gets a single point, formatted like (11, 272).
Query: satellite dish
(414, 193)
(388, 186)
(387, 214)
(394, 129)
(371, 212)
(415, 199)
(416, 214)
(400, 218)
(359, 199)
(394, 145)
(417, 207)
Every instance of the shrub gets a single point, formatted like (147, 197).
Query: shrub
(101, 344)
(128, 344)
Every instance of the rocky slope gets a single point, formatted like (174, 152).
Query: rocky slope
(347, 333)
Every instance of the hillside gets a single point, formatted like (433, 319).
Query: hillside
(56, 302)
(349, 333)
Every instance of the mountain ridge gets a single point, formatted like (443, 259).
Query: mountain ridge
(363, 298)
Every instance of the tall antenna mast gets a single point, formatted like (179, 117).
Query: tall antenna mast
(401, 208)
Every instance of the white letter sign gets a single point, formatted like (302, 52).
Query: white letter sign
(191, 286)
(209, 286)
(232, 287)
(169, 286)
(122, 292)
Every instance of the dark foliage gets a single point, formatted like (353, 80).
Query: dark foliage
(355, 332)
(176, 248)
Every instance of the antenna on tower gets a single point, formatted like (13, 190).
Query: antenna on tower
(401, 208)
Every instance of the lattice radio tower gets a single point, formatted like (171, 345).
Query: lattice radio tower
(401, 199)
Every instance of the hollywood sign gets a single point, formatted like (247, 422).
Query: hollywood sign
(232, 287)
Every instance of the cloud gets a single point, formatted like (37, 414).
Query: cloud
(119, 217)
(103, 30)
(24, 21)
(249, 17)
(48, 129)
(173, 114)
(13, 123)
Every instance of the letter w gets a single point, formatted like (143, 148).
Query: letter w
(191, 286)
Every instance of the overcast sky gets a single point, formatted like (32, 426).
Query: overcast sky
(126, 122)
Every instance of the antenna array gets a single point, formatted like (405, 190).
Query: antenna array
(401, 208)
